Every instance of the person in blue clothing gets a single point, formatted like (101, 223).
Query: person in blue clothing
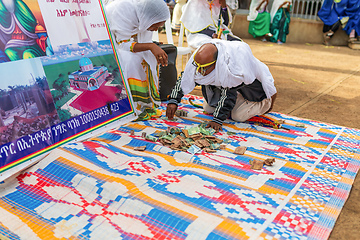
(352, 27)
(332, 14)
(336, 13)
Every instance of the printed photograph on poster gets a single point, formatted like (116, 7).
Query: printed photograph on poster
(74, 21)
(22, 31)
(26, 104)
(83, 77)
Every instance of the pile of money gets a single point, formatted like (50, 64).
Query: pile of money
(192, 139)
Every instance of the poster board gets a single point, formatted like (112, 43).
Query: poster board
(61, 77)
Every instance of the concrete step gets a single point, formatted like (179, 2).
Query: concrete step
(354, 45)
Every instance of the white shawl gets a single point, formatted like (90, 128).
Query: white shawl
(252, 10)
(275, 7)
(197, 15)
(129, 17)
(235, 65)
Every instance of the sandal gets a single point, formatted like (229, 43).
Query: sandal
(352, 39)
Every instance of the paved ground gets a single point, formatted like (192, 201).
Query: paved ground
(319, 83)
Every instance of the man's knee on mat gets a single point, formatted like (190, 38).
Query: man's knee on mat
(239, 116)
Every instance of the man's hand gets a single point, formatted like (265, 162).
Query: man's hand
(215, 126)
(170, 110)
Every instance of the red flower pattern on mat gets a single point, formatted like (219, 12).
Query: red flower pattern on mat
(72, 206)
(168, 178)
(141, 167)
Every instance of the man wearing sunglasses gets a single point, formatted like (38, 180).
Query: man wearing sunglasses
(233, 82)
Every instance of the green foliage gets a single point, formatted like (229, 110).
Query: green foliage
(3, 92)
(64, 99)
(63, 114)
(41, 82)
(61, 84)
(116, 75)
(56, 94)
(58, 83)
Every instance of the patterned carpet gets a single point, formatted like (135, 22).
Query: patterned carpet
(102, 189)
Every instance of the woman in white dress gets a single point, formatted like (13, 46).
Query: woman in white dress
(131, 24)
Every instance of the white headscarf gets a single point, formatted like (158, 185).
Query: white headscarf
(252, 10)
(275, 7)
(197, 15)
(129, 17)
(235, 65)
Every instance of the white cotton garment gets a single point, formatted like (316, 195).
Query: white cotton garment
(252, 9)
(129, 17)
(200, 14)
(275, 6)
(235, 65)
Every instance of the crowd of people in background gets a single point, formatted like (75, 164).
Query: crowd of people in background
(204, 20)
(269, 20)
(273, 25)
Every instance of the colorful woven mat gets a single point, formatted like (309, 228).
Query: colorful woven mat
(102, 189)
